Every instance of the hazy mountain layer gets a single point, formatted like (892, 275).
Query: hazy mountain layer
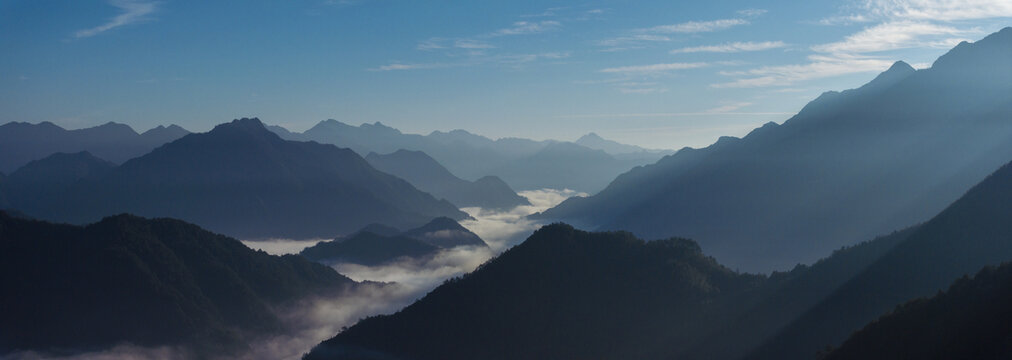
(428, 175)
(239, 179)
(848, 166)
(149, 282)
(522, 163)
(21, 143)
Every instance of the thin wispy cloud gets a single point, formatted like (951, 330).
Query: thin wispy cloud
(893, 25)
(728, 108)
(401, 66)
(696, 26)
(751, 12)
(471, 44)
(897, 35)
(528, 27)
(732, 47)
(654, 68)
(820, 67)
(132, 12)
(936, 10)
(623, 41)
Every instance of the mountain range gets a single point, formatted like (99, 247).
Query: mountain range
(374, 245)
(849, 165)
(565, 293)
(426, 174)
(239, 179)
(148, 282)
(524, 164)
(21, 143)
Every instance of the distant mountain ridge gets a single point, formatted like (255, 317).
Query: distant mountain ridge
(21, 142)
(595, 141)
(849, 165)
(427, 175)
(472, 157)
(149, 282)
(242, 180)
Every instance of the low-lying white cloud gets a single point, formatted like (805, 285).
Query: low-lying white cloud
(387, 288)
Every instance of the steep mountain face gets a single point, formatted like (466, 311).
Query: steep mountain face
(428, 175)
(21, 143)
(973, 232)
(149, 282)
(562, 294)
(972, 320)
(522, 163)
(245, 181)
(377, 244)
(848, 166)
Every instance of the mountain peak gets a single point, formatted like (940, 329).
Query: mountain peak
(246, 124)
(896, 73)
(590, 136)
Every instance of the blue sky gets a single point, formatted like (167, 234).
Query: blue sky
(662, 74)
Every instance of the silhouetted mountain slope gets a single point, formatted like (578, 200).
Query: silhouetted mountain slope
(848, 166)
(788, 295)
(21, 143)
(972, 320)
(471, 156)
(245, 181)
(377, 244)
(428, 175)
(973, 232)
(149, 282)
(562, 294)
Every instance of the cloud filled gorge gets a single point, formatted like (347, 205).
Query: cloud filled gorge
(313, 320)
(408, 279)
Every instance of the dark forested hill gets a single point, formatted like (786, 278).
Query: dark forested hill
(971, 320)
(848, 166)
(428, 175)
(149, 282)
(21, 143)
(562, 294)
(242, 180)
(377, 244)
(973, 232)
